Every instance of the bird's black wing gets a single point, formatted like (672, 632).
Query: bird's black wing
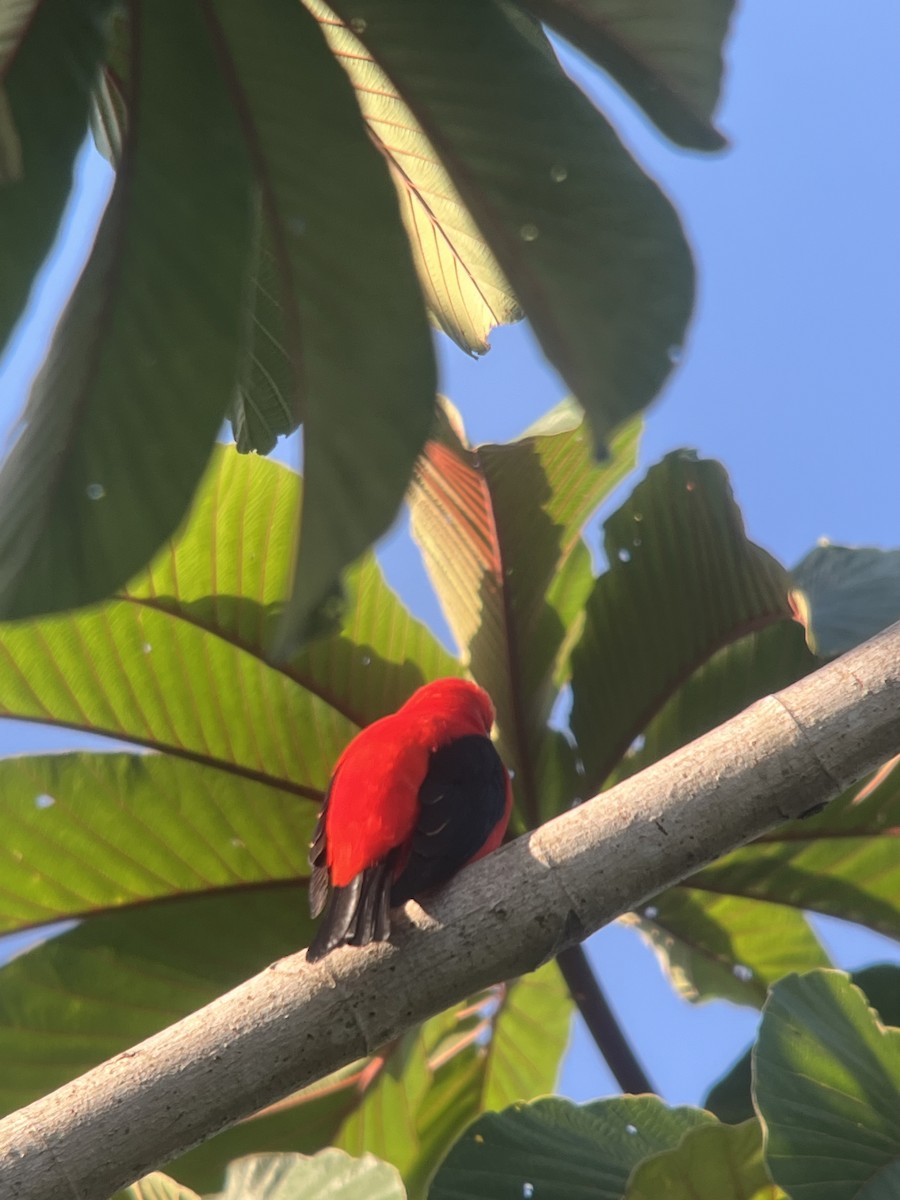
(318, 860)
(354, 915)
(461, 799)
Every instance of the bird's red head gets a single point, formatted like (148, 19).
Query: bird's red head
(452, 704)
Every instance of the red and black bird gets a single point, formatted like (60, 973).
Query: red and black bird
(413, 798)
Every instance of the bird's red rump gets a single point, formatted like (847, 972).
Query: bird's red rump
(414, 797)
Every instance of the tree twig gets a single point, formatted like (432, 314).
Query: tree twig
(501, 917)
(601, 1021)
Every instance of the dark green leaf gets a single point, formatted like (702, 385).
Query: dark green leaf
(734, 678)
(826, 1079)
(590, 245)
(666, 53)
(731, 1100)
(851, 593)
(554, 1150)
(123, 415)
(83, 997)
(683, 582)
(353, 327)
(50, 52)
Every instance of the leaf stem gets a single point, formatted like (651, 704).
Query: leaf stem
(600, 1020)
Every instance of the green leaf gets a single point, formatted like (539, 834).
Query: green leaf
(666, 53)
(500, 532)
(158, 1187)
(563, 1151)
(267, 404)
(683, 582)
(89, 832)
(177, 664)
(290, 1176)
(725, 946)
(826, 1078)
(50, 52)
(843, 862)
(465, 290)
(589, 244)
(124, 413)
(354, 330)
(850, 595)
(730, 1098)
(714, 1162)
(80, 998)
(730, 681)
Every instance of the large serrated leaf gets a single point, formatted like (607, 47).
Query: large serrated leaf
(554, 1150)
(714, 1162)
(177, 663)
(499, 527)
(730, 1097)
(464, 287)
(50, 52)
(122, 416)
(666, 53)
(684, 581)
(89, 832)
(590, 245)
(826, 1081)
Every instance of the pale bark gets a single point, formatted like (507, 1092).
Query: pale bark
(295, 1022)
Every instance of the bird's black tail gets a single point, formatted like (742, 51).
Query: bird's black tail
(357, 914)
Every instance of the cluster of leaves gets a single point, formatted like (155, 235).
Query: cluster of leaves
(183, 856)
(821, 1126)
(299, 187)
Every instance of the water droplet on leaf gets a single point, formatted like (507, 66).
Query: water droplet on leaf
(529, 232)
(44, 801)
(358, 24)
(559, 173)
(95, 491)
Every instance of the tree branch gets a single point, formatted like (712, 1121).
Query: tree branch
(601, 1022)
(503, 916)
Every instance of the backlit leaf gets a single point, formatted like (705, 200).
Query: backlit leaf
(589, 244)
(499, 527)
(464, 287)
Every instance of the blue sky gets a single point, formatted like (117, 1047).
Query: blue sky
(788, 378)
